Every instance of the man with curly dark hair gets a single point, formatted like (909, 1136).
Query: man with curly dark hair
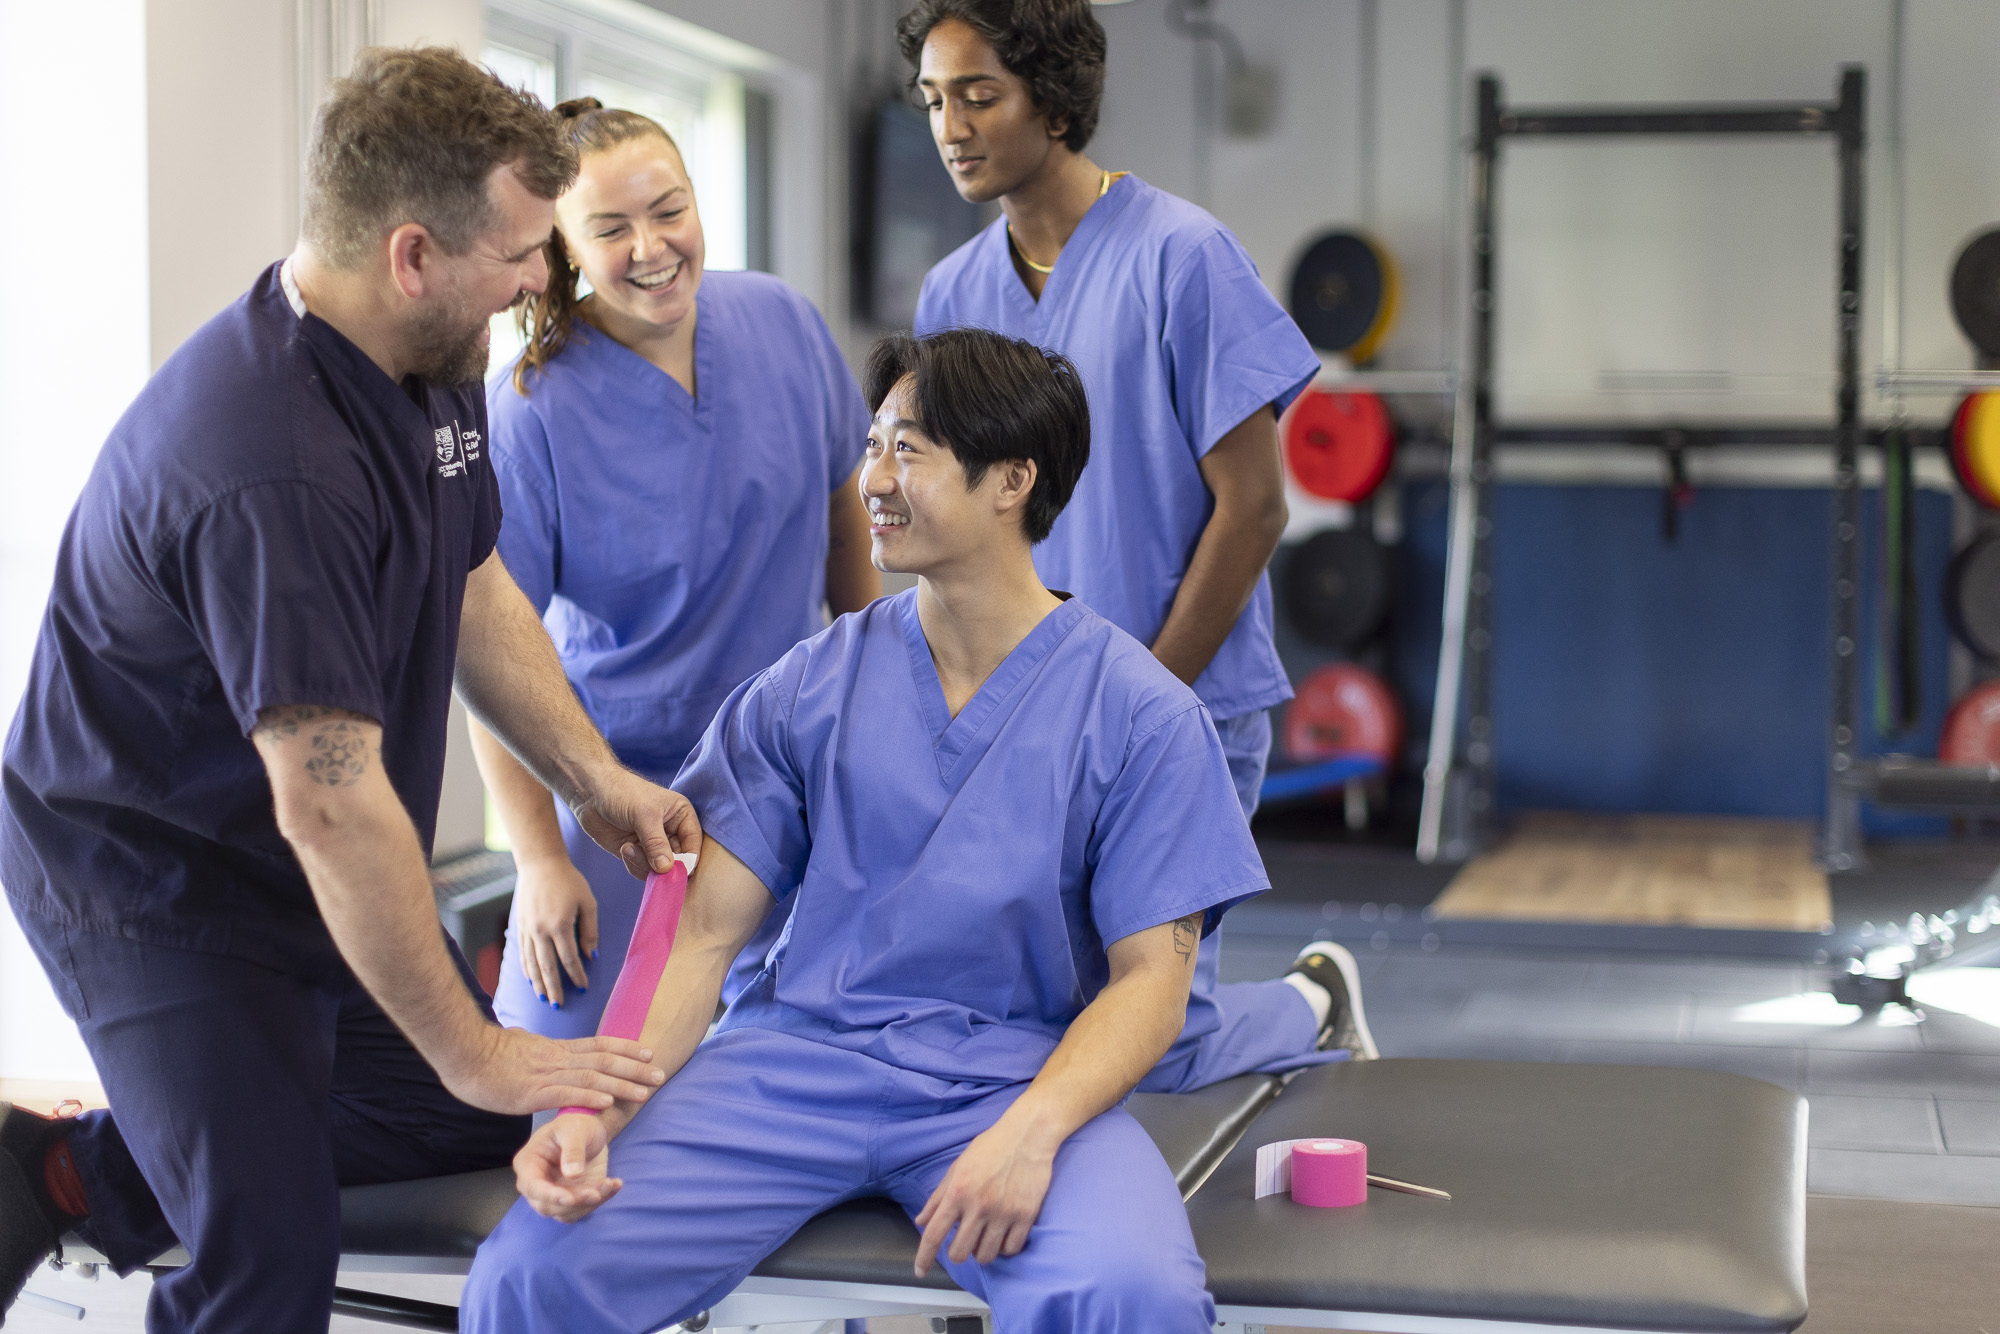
(1188, 360)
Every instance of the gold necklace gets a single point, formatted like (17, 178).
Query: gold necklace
(1103, 187)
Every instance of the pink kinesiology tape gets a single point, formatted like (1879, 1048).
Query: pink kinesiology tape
(645, 959)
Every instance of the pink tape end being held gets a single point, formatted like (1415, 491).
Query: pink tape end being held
(645, 958)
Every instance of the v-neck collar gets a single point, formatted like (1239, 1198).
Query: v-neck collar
(950, 736)
(694, 405)
(358, 371)
(1088, 229)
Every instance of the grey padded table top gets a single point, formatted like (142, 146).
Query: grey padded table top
(863, 1241)
(1582, 1194)
(1600, 1195)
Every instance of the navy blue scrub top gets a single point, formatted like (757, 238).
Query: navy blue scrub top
(273, 522)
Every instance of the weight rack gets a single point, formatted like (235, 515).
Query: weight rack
(1458, 803)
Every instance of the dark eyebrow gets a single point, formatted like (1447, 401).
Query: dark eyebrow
(593, 217)
(960, 81)
(896, 424)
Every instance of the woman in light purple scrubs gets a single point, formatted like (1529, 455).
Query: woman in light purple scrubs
(676, 454)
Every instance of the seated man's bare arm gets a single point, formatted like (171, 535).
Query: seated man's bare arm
(561, 1171)
(994, 1192)
(361, 855)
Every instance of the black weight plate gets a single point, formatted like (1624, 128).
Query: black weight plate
(1336, 588)
(1972, 596)
(1975, 291)
(1337, 291)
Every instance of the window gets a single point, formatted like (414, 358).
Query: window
(690, 80)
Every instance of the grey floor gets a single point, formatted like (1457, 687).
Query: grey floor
(1900, 1111)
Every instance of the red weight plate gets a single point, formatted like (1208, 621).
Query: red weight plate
(1972, 728)
(1338, 444)
(1340, 710)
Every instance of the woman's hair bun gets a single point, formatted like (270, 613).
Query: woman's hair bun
(576, 106)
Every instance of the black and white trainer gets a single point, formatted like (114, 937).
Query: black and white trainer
(32, 1224)
(1331, 967)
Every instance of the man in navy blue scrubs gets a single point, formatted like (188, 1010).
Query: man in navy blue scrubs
(222, 784)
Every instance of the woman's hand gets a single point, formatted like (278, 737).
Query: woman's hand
(563, 1169)
(555, 924)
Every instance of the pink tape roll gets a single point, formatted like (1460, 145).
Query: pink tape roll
(1329, 1173)
(645, 959)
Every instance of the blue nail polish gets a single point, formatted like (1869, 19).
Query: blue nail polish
(593, 955)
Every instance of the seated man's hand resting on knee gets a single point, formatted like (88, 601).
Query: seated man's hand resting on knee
(995, 1189)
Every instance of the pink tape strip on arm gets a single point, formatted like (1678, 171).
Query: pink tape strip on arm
(645, 959)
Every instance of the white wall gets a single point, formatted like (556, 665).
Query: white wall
(185, 113)
(1618, 256)
(73, 351)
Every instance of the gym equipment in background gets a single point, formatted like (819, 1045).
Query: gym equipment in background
(1899, 642)
(1342, 710)
(1972, 595)
(1335, 588)
(1975, 291)
(1338, 444)
(1343, 728)
(1461, 772)
(1344, 293)
(1975, 447)
(1971, 734)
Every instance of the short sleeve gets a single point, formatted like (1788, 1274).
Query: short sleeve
(744, 784)
(530, 543)
(1230, 346)
(1170, 838)
(278, 580)
(487, 509)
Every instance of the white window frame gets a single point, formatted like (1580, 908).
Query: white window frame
(631, 42)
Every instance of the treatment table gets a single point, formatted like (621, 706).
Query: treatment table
(1585, 1199)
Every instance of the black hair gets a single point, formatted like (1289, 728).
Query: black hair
(989, 398)
(1056, 47)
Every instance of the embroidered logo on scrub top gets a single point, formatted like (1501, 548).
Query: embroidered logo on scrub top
(455, 449)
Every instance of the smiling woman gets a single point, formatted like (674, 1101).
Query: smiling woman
(713, 96)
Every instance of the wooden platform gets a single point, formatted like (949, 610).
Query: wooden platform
(1658, 870)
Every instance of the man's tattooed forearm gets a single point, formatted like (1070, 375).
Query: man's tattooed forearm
(1187, 935)
(342, 747)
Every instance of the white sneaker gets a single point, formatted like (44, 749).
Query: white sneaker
(1330, 966)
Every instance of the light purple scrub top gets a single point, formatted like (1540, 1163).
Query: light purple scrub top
(954, 881)
(676, 546)
(1178, 342)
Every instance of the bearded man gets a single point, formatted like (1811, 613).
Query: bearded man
(222, 784)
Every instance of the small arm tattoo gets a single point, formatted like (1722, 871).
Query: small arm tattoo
(1187, 935)
(341, 752)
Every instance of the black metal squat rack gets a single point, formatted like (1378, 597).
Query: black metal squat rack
(1459, 773)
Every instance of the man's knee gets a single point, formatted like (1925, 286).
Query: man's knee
(519, 1280)
(1115, 1288)
(1145, 1289)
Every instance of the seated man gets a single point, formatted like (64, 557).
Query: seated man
(1004, 828)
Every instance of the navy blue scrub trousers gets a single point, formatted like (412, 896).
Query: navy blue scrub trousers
(243, 1099)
